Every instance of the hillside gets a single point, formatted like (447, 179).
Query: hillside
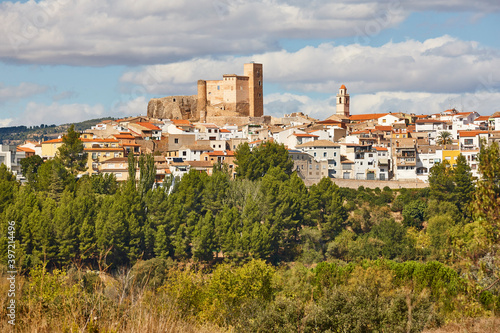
(15, 135)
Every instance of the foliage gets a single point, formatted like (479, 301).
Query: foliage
(254, 163)
(72, 152)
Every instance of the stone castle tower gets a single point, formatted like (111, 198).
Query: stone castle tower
(255, 91)
(343, 101)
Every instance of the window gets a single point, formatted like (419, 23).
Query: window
(314, 154)
(209, 130)
(260, 83)
(184, 153)
(447, 158)
(370, 155)
(218, 87)
(176, 140)
(324, 154)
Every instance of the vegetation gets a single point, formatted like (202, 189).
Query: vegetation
(261, 253)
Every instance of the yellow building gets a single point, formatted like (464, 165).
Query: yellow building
(450, 155)
(50, 148)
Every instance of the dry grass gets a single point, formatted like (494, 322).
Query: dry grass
(480, 325)
(108, 309)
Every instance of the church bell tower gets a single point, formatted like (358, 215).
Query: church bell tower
(343, 102)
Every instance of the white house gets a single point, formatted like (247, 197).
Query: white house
(324, 150)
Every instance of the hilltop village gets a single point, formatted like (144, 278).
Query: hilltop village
(196, 132)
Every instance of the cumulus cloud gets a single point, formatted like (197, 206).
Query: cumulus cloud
(439, 65)
(23, 90)
(98, 33)
(486, 103)
(55, 113)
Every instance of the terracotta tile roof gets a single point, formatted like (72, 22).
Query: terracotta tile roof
(369, 116)
(200, 164)
(25, 149)
(53, 141)
(223, 130)
(221, 153)
(124, 136)
(181, 122)
(482, 118)
(149, 126)
(380, 148)
(384, 128)
(469, 134)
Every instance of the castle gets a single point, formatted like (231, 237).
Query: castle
(233, 96)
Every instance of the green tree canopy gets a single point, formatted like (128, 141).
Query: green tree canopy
(253, 164)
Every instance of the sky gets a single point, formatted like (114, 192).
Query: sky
(65, 61)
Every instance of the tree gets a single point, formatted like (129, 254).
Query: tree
(464, 186)
(441, 182)
(253, 164)
(29, 166)
(147, 176)
(486, 203)
(72, 152)
(414, 213)
(444, 138)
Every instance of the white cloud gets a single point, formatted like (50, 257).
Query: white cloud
(439, 65)
(98, 33)
(23, 90)
(6, 122)
(486, 103)
(55, 113)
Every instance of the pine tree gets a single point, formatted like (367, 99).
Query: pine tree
(162, 243)
(204, 238)
(72, 152)
(66, 229)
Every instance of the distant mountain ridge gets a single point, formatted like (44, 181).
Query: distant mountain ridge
(15, 135)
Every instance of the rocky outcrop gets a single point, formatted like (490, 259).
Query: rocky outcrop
(174, 107)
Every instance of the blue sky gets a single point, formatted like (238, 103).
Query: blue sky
(70, 60)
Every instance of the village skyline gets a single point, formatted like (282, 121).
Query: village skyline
(64, 62)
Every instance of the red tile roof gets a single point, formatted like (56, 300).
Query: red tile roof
(25, 149)
(469, 134)
(59, 140)
(370, 116)
(148, 126)
(482, 118)
(181, 122)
